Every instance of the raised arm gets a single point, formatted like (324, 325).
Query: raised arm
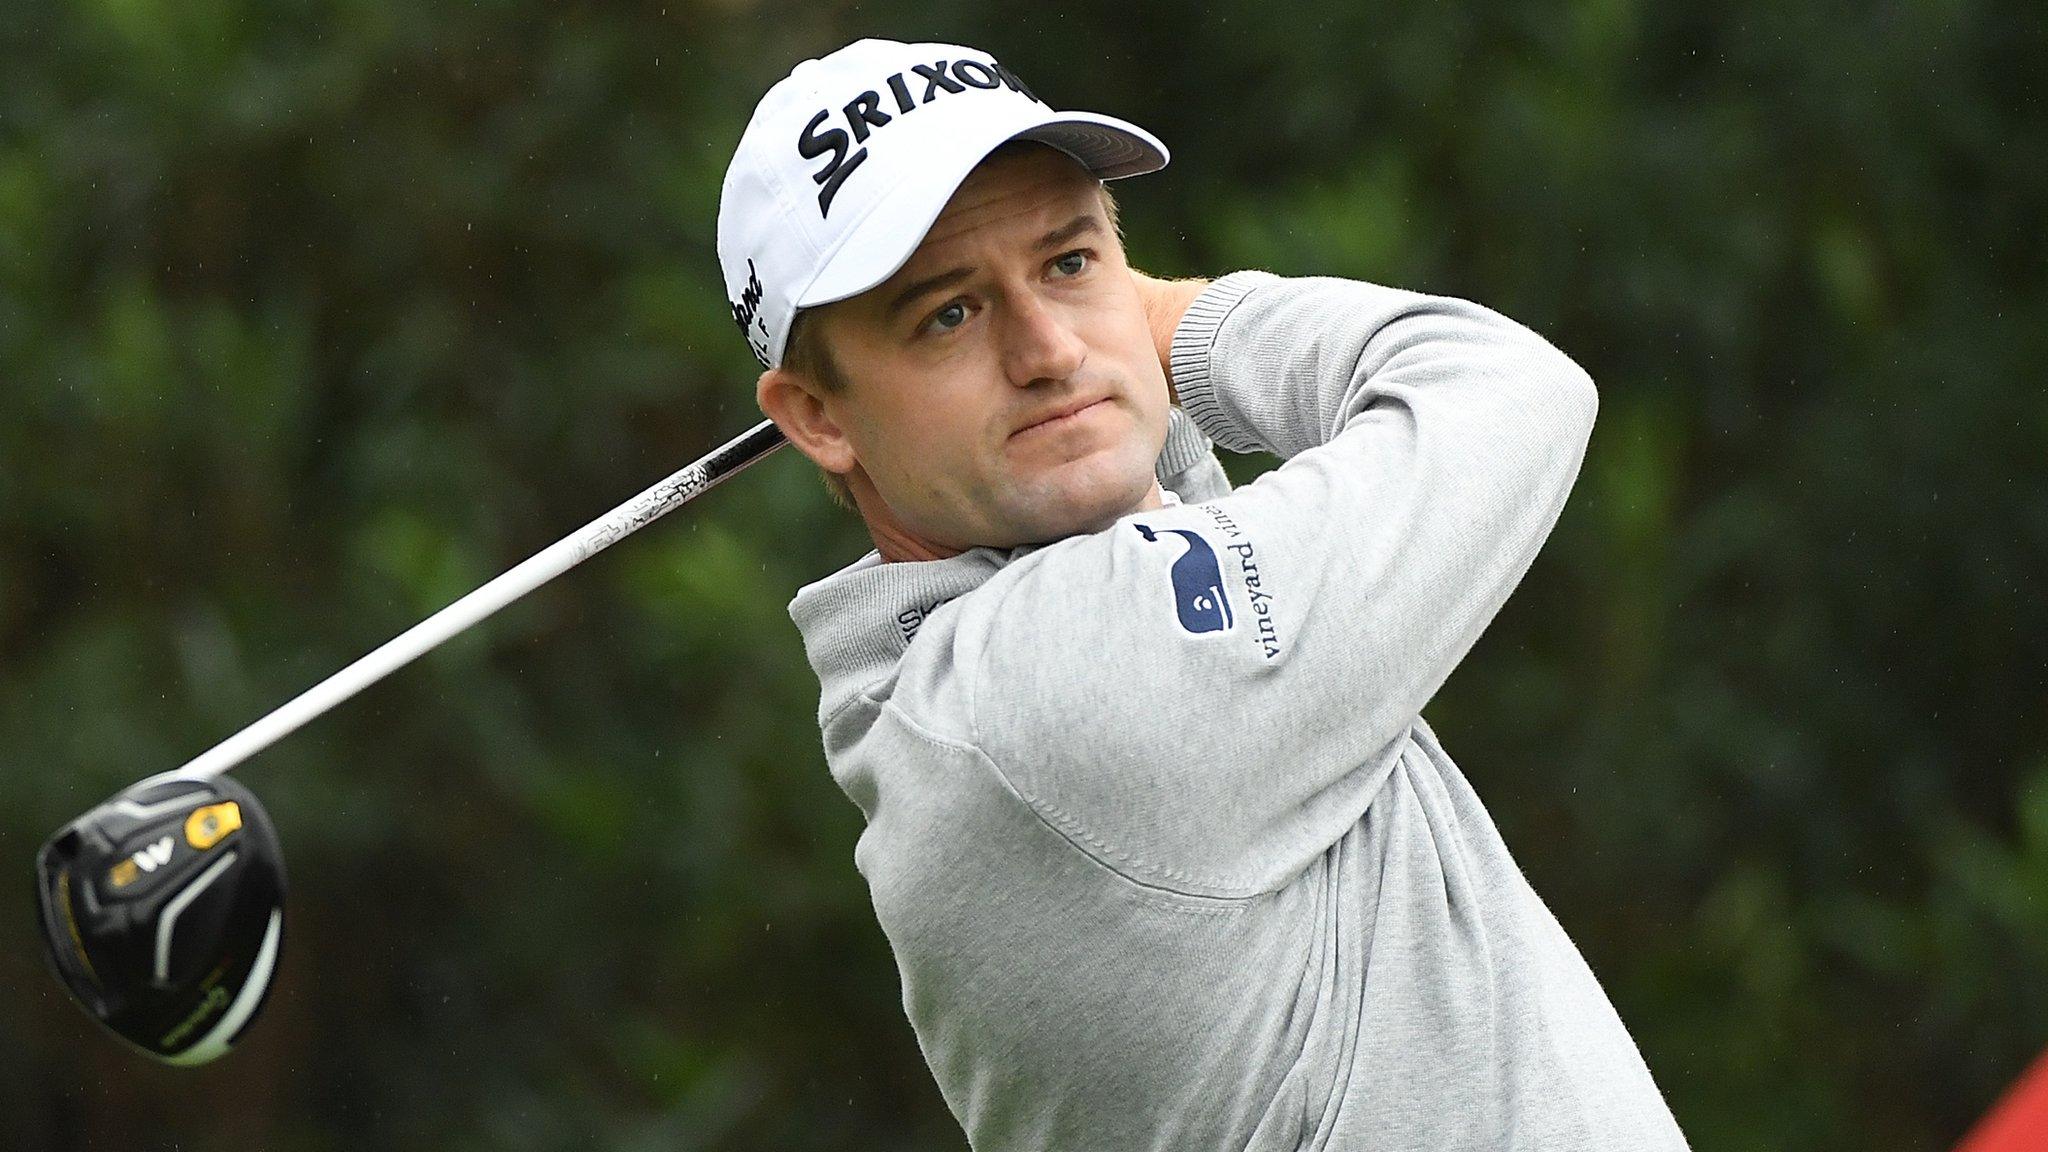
(1206, 696)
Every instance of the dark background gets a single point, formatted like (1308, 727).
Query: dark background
(314, 316)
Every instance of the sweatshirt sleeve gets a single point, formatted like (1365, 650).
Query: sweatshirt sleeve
(1205, 697)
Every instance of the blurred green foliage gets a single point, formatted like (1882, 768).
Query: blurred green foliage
(313, 316)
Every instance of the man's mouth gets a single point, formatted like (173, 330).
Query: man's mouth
(1060, 417)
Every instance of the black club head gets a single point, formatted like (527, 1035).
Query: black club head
(163, 914)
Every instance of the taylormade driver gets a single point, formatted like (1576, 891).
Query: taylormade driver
(163, 912)
(163, 909)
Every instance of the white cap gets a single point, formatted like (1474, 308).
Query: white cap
(850, 158)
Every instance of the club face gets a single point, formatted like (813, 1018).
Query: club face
(162, 913)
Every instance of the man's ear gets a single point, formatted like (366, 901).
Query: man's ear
(798, 407)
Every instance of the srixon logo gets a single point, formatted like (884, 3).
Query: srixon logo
(870, 111)
(912, 618)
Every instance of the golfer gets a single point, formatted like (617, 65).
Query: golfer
(1166, 854)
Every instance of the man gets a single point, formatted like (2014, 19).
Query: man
(1166, 854)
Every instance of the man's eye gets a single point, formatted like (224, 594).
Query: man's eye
(1072, 263)
(948, 318)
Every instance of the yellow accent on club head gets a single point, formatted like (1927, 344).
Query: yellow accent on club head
(210, 825)
(71, 922)
(123, 874)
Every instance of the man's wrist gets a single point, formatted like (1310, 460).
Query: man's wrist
(1166, 301)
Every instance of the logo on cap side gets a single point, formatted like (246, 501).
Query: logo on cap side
(746, 312)
(863, 115)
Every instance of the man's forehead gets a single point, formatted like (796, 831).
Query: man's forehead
(1019, 191)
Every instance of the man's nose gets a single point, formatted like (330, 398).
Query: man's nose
(1038, 343)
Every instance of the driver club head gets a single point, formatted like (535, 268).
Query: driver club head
(162, 911)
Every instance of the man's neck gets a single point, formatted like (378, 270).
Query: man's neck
(896, 543)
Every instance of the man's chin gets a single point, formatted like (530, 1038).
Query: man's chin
(1062, 511)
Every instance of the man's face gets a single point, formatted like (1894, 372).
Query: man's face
(1003, 387)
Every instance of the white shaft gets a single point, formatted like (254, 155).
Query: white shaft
(530, 574)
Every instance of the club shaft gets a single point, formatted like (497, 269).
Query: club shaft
(594, 537)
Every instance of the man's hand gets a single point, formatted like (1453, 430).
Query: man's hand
(1166, 301)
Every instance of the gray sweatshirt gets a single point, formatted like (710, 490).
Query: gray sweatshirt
(1166, 854)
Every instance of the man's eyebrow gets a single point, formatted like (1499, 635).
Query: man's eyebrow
(1079, 226)
(927, 285)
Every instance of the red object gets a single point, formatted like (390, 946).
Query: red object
(2019, 1121)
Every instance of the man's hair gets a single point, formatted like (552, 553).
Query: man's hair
(807, 354)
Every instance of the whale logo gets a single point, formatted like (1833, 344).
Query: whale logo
(1198, 594)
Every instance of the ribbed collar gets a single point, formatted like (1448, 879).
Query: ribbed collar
(858, 622)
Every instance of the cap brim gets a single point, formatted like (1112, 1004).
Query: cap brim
(1106, 146)
(1109, 148)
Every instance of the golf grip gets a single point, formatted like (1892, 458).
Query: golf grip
(423, 637)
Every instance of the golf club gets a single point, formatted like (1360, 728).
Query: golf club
(162, 909)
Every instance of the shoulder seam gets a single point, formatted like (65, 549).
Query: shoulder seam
(858, 696)
(1230, 887)
(1077, 835)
